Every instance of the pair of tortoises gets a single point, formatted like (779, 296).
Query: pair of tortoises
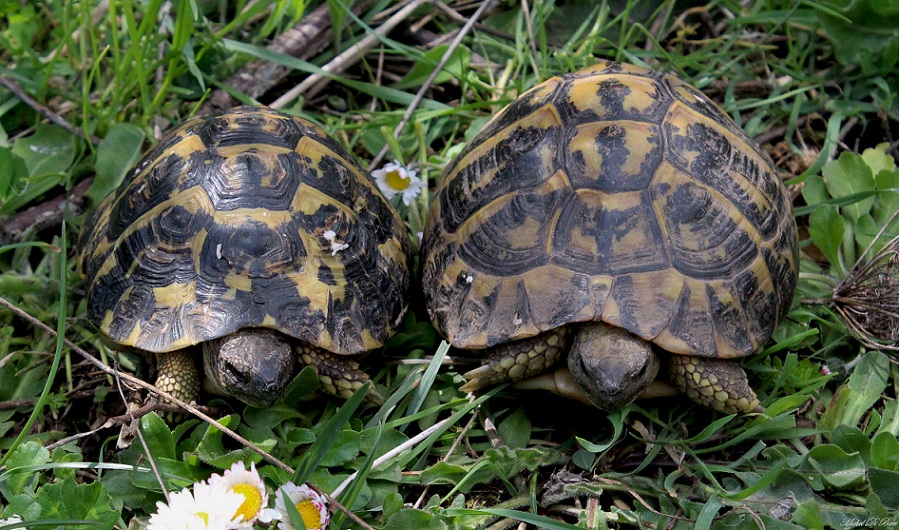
(608, 213)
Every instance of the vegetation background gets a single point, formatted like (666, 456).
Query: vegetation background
(88, 86)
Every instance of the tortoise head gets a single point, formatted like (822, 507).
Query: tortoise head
(252, 365)
(612, 365)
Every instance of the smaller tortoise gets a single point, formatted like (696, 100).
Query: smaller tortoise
(258, 237)
(614, 214)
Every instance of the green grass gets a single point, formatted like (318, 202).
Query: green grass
(814, 81)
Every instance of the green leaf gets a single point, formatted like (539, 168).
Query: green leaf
(320, 447)
(708, 513)
(839, 469)
(865, 33)
(808, 514)
(214, 450)
(861, 391)
(389, 439)
(301, 436)
(47, 154)
(357, 494)
(157, 436)
(888, 199)
(848, 175)
(826, 226)
(27, 454)
(889, 423)
(49, 151)
(393, 503)
(814, 190)
(885, 451)
(617, 419)
(305, 384)
(515, 429)
(34, 188)
(456, 67)
(868, 381)
(128, 493)
(24, 506)
(116, 154)
(885, 484)
(14, 384)
(13, 173)
(86, 502)
(417, 519)
(343, 448)
(443, 473)
(877, 158)
(865, 231)
(851, 439)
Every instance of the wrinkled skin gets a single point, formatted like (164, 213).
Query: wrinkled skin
(611, 365)
(253, 365)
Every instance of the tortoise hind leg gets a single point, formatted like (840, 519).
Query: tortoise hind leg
(517, 360)
(178, 374)
(339, 375)
(718, 384)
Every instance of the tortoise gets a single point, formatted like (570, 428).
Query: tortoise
(617, 215)
(254, 237)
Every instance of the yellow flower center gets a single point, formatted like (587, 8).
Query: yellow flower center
(311, 518)
(204, 516)
(396, 180)
(252, 501)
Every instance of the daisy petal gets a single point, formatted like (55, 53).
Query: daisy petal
(247, 484)
(311, 506)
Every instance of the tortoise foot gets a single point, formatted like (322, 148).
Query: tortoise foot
(339, 375)
(517, 360)
(178, 375)
(719, 384)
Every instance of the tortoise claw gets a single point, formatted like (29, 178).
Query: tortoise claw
(719, 384)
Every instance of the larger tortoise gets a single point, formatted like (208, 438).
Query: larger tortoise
(257, 236)
(612, 213)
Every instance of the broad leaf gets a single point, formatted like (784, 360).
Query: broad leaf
(118, 151)
(848, 175)
(826, 225)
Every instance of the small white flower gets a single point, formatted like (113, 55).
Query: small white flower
(825, 370)
(248, 485)
(311, 505)
(336, 244)
(206, 508)
(394, 178)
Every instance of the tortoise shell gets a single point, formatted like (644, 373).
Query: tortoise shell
(253, 218)
(612, 194)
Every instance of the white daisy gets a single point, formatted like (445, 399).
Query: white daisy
(206, 508)
(393, 179)
(311, 505)
(248, 485)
